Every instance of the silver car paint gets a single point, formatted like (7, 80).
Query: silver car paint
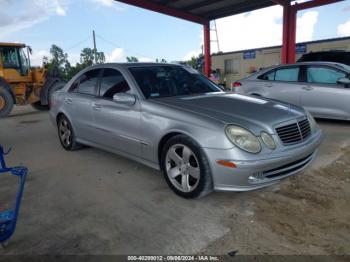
(322, 100)
(136, 130)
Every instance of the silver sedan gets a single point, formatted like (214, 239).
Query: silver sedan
(169, 117)
(322, 88)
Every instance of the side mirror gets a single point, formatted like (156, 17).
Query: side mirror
(344, 81)
(124, 98)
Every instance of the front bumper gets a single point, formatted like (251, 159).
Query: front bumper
(261, 170)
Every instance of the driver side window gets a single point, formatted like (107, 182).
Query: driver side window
(113, 82)
(86, 83)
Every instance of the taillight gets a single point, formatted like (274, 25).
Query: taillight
(236, 84)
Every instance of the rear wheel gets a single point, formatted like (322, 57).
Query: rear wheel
(186, 168)
(66, 134)
(6, 102)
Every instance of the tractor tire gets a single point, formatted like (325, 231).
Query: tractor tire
(6, 102)
(55, 87)
(38, 106)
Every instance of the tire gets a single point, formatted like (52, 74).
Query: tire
(186, 168)
(38, 106)
(55, 87)
(66, 134)
(6, 102)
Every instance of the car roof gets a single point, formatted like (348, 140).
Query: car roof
(135, 64)
(321, 63)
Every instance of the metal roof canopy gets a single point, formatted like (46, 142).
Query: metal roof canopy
(200, 11)
(203, 11)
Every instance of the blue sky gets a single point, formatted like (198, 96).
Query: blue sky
(124, 30)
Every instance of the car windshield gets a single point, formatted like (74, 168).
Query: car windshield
(167, 80)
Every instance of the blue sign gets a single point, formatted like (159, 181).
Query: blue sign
(300, 49)
(249, 55)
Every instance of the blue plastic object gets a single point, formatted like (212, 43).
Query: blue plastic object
(8, 218)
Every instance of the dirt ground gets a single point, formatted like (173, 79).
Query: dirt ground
(94, 202)
(307, 214)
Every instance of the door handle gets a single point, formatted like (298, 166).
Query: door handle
(97, 107)
(268, 85)
(308, 88)
(68, 100)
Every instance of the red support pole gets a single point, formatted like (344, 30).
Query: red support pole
(292, 35)
(285, 35)
(207, 58)
(289, 34)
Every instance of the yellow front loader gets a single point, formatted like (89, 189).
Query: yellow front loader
(21, 84)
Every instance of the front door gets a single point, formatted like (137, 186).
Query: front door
(323, 96)
(117, 126)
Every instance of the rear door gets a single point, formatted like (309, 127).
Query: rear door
(78, 103)
(282, 84)
(117, 126)
(322, 95)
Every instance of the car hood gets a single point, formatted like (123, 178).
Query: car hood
(251, 112)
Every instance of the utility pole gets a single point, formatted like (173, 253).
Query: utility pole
(95, 49)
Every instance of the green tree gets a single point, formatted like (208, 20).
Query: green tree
(89, 56)
(57, 62)
(59, 66)
(161, 60)
(131, 59)
(196, 62)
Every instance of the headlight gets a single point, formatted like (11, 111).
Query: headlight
(312, 121)
(268, 140)
(243, 139)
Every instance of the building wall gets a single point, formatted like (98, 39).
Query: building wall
(237, 65)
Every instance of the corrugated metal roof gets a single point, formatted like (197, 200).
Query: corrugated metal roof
(12, 44)
(214, 9)
(205, 9)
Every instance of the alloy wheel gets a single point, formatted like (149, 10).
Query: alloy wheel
(65, 132)
(182, 168)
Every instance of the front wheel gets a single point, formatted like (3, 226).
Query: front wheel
(186, 168)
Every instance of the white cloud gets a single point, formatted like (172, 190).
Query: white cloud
(110, 4)
(18, 15)
(117, 55)
(36, 58)
(189, 55)
(260, 28)
(146, 59)
(305, 26)
(74, 58)
(255, 29)
(344, 29)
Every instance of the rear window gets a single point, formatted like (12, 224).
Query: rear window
(283, 74)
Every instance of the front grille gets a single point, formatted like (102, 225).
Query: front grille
(294, 133)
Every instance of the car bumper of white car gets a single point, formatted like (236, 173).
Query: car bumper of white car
(260, 171)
